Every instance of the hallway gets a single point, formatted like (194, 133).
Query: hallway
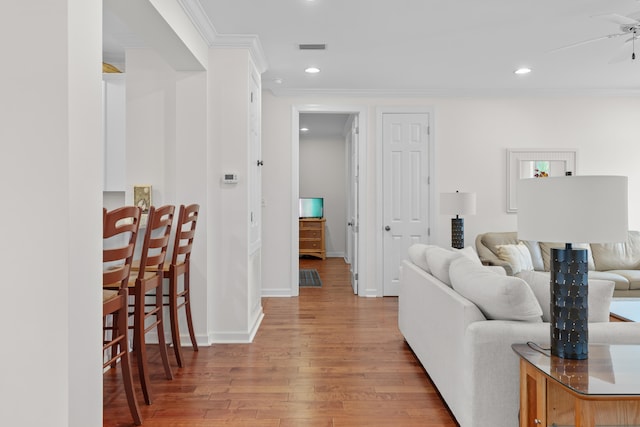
(327, 358)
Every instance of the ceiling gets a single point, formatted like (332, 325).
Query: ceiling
(323, 125)
(429, 47)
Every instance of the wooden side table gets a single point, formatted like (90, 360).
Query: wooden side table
(603, 390)
(311, 238)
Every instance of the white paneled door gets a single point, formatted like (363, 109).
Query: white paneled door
(405, 141)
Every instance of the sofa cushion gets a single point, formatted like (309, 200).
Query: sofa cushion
(599, 297)
(618, 256)
(498, 297)
(517, 255)
(536, 254)
(545, 248)
(470, 253)
(418, 256)
(439, 260)
(632, 276)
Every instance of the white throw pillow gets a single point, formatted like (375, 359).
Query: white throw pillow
(517, 255)
(535, 252)
(498, 297)
(470, 253)
(439, 260)
(418, 256)
(598, 299)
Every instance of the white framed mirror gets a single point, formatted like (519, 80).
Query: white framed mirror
(533, 163)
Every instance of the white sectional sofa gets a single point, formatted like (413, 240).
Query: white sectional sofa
(465, 346)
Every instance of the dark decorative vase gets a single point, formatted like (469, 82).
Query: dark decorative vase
(569, 303)
(457, 233)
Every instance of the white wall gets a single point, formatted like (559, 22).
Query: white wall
(184, 129)
(167, 148)
(150, 115)
(236, 297)
(323, 174)
(51, 174)
(471, 136)
(187, 182)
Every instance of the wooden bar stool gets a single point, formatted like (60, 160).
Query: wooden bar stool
(180, 266)
(145, 283)
(119, 231)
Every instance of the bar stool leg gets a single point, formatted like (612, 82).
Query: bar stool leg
(187, 305)
(173, 313)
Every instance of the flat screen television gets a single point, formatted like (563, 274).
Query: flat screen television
(311, 207)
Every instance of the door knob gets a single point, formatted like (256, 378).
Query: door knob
(387, 228)
(349, 224)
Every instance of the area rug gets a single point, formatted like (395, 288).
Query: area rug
(309, 278)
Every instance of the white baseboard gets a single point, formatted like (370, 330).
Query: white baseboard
(335, 255)
(239, 337)
(185, 339)
(278, 293)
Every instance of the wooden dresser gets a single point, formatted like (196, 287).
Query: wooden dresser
(312, 237)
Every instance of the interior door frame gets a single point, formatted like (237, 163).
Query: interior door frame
(380, 111)
(361, 112)
(353, 209)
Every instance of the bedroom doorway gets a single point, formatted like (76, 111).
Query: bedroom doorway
(335, 179)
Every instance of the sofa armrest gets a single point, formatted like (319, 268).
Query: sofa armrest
(492, 368)
(433, 319)
(487, 256)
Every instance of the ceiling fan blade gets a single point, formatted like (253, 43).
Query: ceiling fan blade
(580, 43)
(618, 19)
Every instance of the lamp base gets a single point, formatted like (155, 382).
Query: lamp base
(457, 233)
(569, 304)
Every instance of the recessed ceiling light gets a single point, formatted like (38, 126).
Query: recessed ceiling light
(304, 129)
(523, 70)
(312, 70)
(277, 81)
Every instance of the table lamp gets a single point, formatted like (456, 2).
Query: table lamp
(572, 209)
(457, 204)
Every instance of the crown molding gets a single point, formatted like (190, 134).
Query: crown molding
(452, 93)
(246, 41)
(195, 12)
(199, 18)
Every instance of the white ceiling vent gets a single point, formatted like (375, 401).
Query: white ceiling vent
(312, 46)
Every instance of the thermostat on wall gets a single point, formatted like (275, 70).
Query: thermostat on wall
(230, 178)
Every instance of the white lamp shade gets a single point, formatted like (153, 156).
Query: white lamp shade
(458, 203)
(573, 209)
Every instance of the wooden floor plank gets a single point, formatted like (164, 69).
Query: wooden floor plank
(327, 358)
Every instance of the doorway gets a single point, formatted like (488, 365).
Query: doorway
(343, 220)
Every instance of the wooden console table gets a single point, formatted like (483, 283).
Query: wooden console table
(311, 237)
(603, 390)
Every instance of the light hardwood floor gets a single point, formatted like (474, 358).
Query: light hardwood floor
(327, 358)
